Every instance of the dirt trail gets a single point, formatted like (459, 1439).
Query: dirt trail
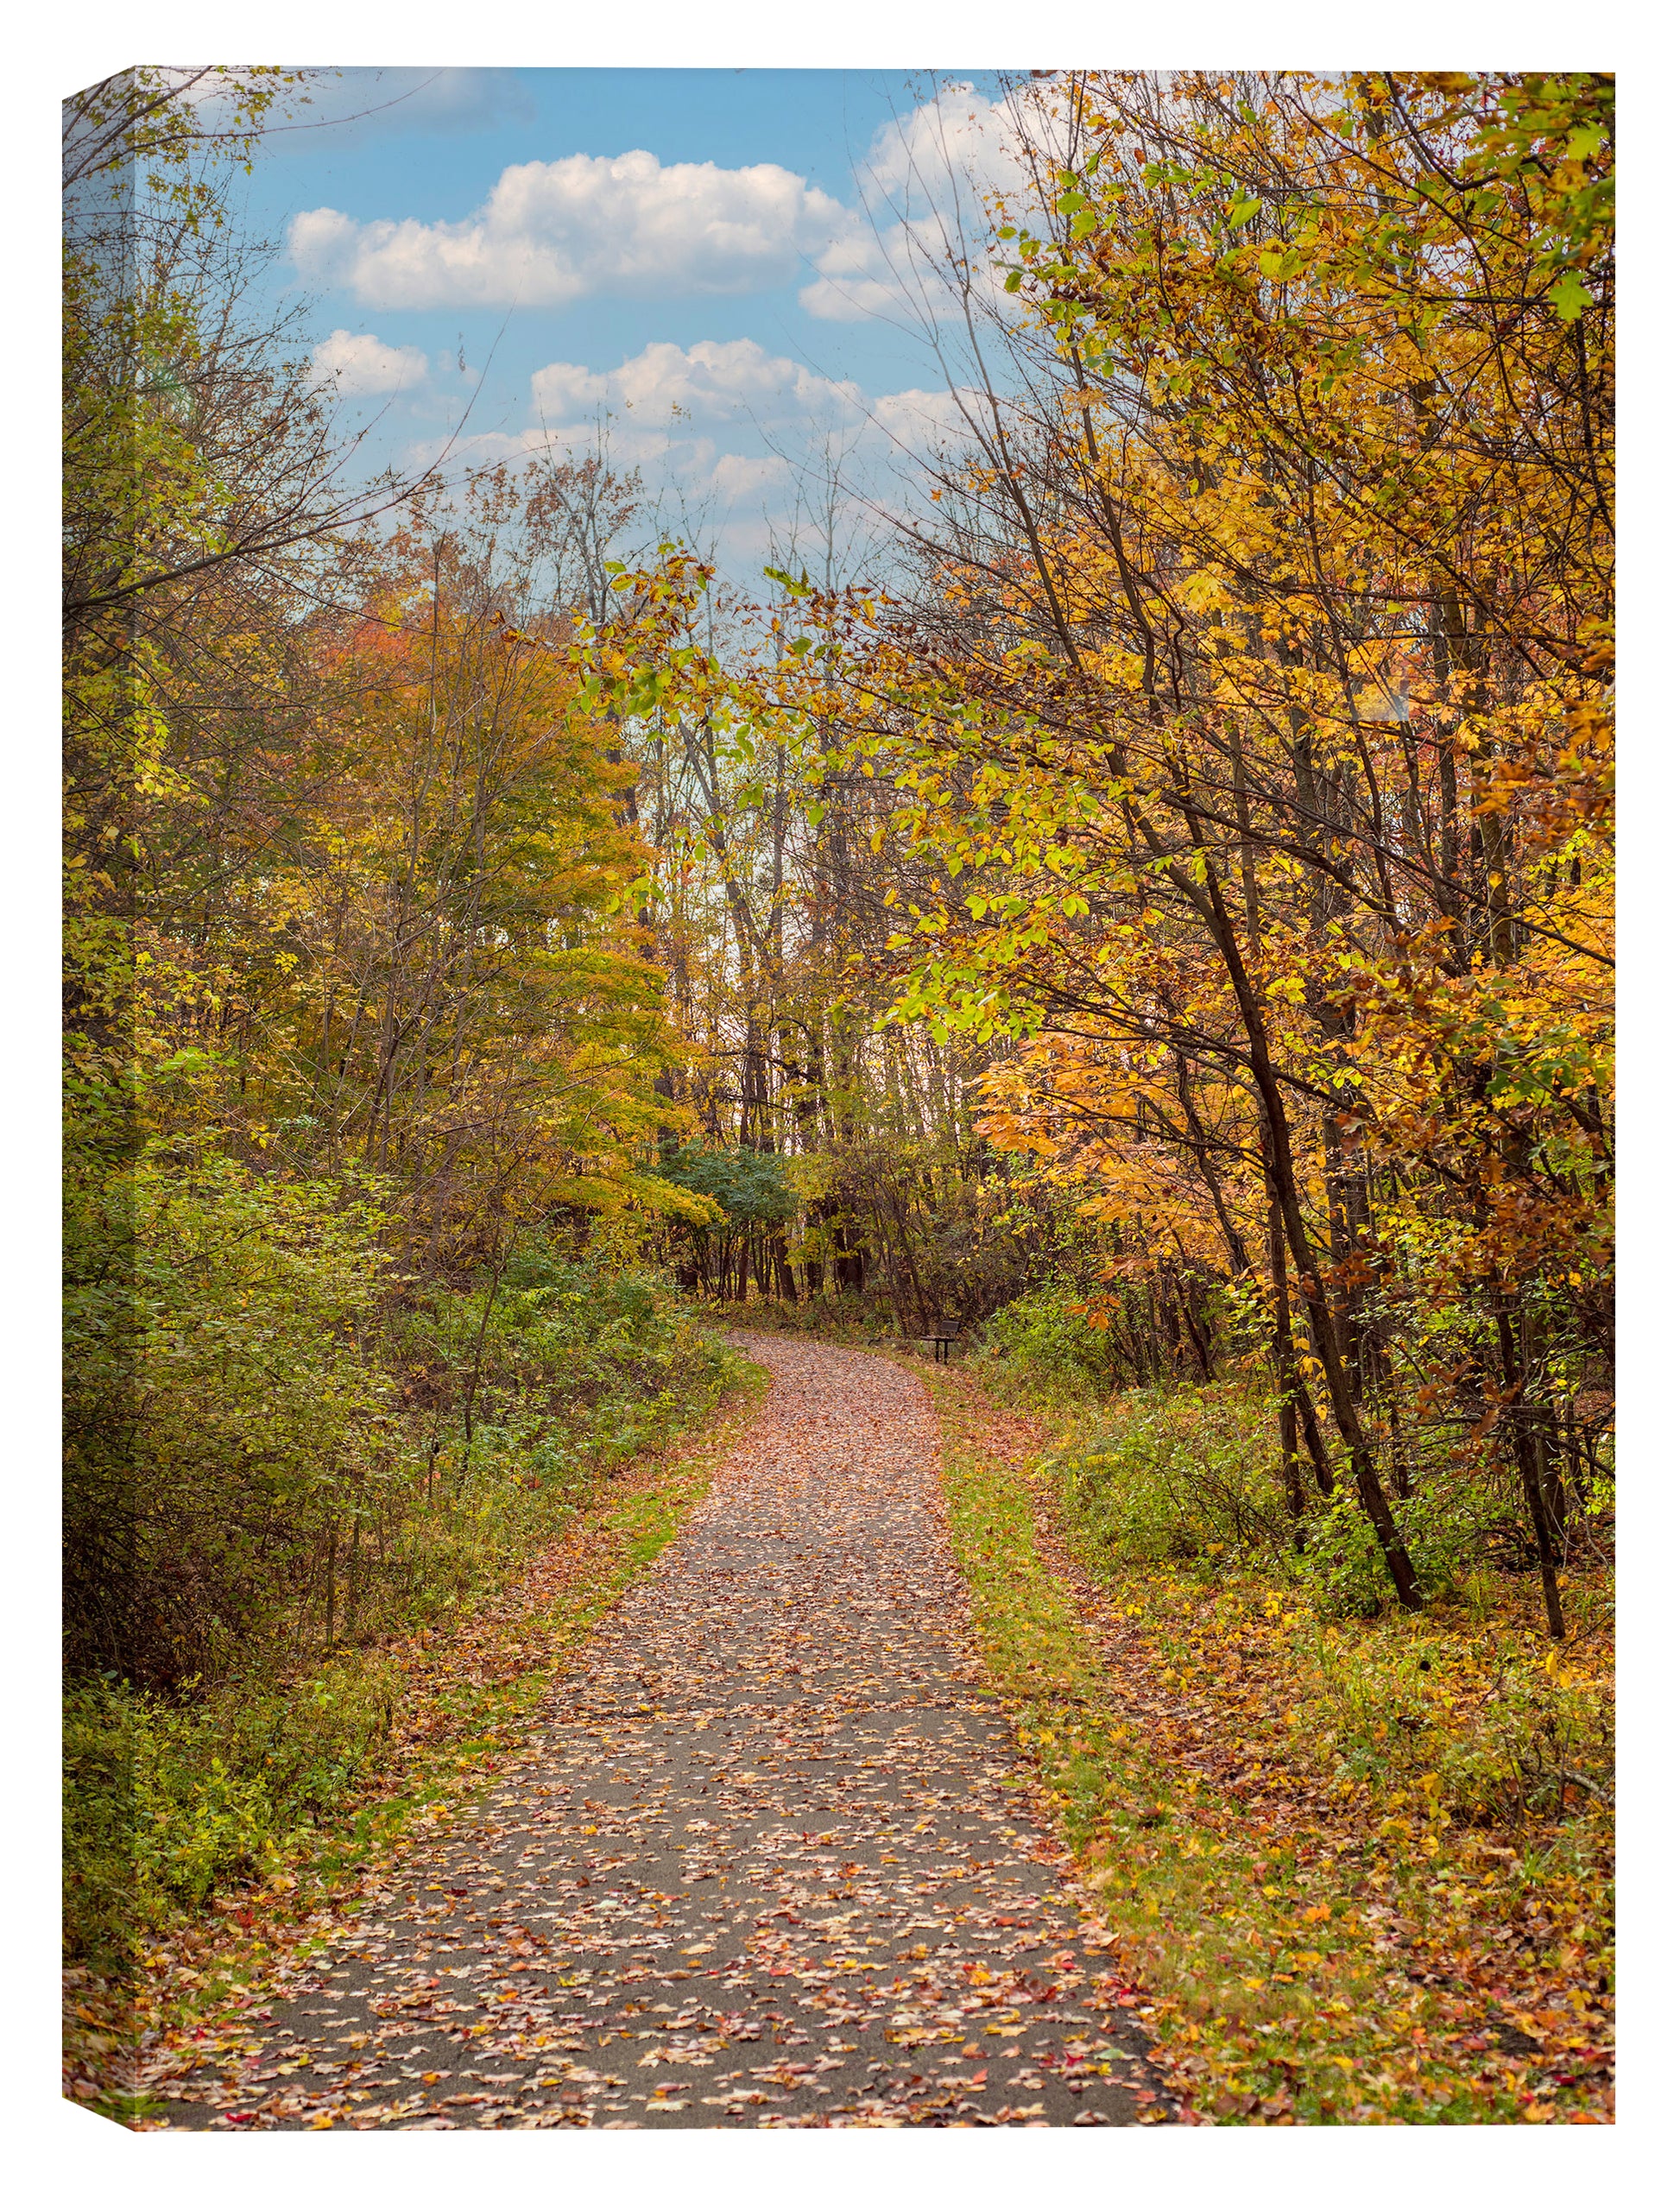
(763, 1864)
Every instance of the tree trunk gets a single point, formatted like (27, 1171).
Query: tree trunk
(1530, 1467)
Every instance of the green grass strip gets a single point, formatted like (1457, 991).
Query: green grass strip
(1259, 1973)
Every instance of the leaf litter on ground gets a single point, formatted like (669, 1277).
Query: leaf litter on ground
(768, 1856)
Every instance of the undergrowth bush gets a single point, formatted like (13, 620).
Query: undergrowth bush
(503, 1413)
(1445, 1522)
(1193, 1473)
(224, 1402)
(843, 1318)
(1177, 1474)
(1474, 1713)
(1049, 1351)
(1464, 1711)
(168, 1800)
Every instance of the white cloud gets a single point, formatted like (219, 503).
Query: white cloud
(563, 392)
(957, 138)
(627, 447)
(671, 404)
(924, 416)
(735, 476)
(924, 187)
(552, 231)
(362, 366)
(726, 427)
(711, 382)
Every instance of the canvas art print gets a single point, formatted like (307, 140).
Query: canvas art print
(839, 1098)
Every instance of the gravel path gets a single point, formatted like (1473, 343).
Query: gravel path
(765, 1864)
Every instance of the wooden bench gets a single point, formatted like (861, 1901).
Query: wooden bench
(942, 1334)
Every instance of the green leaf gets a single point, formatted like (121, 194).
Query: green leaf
(1569, 296)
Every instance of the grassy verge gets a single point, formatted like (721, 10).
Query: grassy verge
(438, 1710)
(1350, 1876)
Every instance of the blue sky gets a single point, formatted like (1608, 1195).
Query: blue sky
(715, 262)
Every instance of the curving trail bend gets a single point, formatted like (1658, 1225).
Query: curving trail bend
(768, 1861)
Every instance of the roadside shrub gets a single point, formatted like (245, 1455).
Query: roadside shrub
(220, 1399)
(559, 1367)
(319, 1460)
(1460, 1713)
(1192, 1475)
(1478, 1721)
(1174, 1474)
(841, 1317)
(169, 1801)
(1047, 1347)
(1446, 1524)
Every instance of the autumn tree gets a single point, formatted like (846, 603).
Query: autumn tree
(1254, 718)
